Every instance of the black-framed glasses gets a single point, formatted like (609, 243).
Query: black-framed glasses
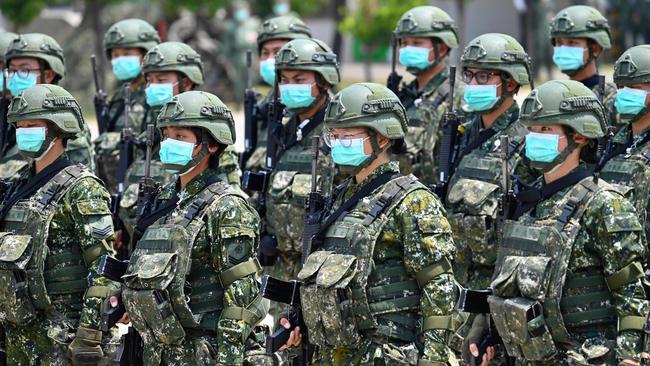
(23, 73)
(481, 77)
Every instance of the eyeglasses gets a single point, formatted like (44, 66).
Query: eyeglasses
(331, 139)
(481, 77)
(23, 74)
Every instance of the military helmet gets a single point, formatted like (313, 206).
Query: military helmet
(581, 21)
(500, 52)
(199, 109)
(568, 103)
(131, 33)
(175, 56)
(5, 40)
(428, 21)
(368, 105)
(51, 103)
(309, 54)
(283, 27)
(633, 66)
(40, 46)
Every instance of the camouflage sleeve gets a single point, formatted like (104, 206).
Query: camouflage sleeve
(229, 170)
(619, 243)
(427, 240)
(233, 229)
(88, 203)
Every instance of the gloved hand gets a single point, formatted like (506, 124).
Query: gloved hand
(477, 333)
(268, 252)
(85, 349)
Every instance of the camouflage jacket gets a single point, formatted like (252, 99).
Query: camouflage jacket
(474, 191)
(608, 239)
(81, 224)
(417, 235)
(228, 237)
(425, 111)
(609, 97)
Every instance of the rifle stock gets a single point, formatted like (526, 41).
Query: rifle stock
(449, 142)
(250, 115)
(101, 105)
(394, 79)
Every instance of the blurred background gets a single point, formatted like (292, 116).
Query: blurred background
(359, 31)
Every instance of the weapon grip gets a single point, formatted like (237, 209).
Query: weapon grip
(276, 340)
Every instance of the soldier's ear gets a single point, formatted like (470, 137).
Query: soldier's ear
(511, 85)
(579, 139)
(596, 49)
(188, 84)
(443, 49)
(49, 77)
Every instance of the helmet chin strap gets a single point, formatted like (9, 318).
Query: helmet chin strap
(376, 151)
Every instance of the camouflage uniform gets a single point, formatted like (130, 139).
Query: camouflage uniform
(388, 257)
(71, 214)
(426, 108)
(194, 298)
(128, 33)
(567, 284)
(45, 48)
(582, 21)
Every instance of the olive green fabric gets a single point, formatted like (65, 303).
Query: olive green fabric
(175, 56)
(368, 105)
(568, 103)
(40, 46)
(428, 21)
(5, 40)
(581, 21)
(311, 55)
(199, 109)
(130, 33)
(498, 51)
(287, 27)
(51, 103)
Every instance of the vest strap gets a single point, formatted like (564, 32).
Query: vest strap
(99, 291)
(239, 313)
(241, 270)
(432, 271)
(445, 322)
(625, 275)
(631, 322)
(574, 319)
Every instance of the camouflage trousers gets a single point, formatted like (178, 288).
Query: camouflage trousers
(368, 353)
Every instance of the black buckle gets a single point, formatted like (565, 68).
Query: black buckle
(567, 212)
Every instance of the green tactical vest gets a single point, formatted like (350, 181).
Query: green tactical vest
(167, 291)
(630, 174)
(345, 296)
(27, 265)
(536, 301)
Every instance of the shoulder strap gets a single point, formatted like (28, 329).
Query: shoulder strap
(198, 206)
(392, 196)
(576, 205)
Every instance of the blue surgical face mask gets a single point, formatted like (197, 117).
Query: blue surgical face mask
(480, 97)
(568, 58)
(416, 57)
(630, 101)
(542, 147)
(267, 70)
(159, 94)
(126, 67)
(281, 9)
(30, 139)
(296, 96)
(241, 14)
(350, 153)
(176, 155)
(17, 83)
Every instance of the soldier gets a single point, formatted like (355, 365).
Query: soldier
(36, 58)
(626, 161)
(190, 288)
(426, 36)
(567, 287)
(55, 224)
(272, 36)
(240, 34)
(386, 250)
(5, 135)
(307, 70)
(494, 66)
(170, 68)
(579, 35)
(126, 42)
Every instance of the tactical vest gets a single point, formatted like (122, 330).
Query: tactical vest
(27, 266)
(536, 301)
(167, 291)
(346, 296)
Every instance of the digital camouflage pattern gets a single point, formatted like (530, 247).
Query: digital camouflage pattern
(474, 191)
(228, 236)
(81, 224)
(415, 235)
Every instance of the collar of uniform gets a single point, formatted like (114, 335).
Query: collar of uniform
(197, 183)
(435, 82)
(32, 166)
(591, 81)
(390, 167)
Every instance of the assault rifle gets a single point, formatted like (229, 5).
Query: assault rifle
(314, 204)
(5, 100)
(101, 104)
(449, 142)
(394, 79)
(250, 115)
(148, 188)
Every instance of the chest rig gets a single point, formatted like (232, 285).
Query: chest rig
(168, 290)
(345, 295)
(537, 302)
(29, 272)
